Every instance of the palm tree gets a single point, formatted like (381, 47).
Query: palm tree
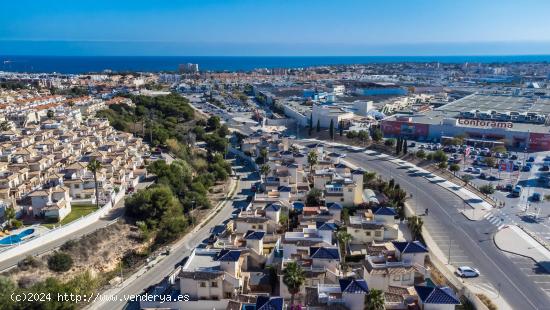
(264, 170)
(263, 154)
(9, 215)
(343, 239)
(293, 278)
(415, 224)
(93, 166)
(374, 300)
(312, 159)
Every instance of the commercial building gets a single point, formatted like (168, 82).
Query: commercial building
(518, 122)
(188, 68)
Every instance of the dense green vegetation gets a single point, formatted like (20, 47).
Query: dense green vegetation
(60, 262)
(47, 291)
(170, 122)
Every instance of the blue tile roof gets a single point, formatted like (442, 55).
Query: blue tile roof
(218, 229)
(254, 235)
(324, 253)
(410, 247)
(334, 205)
(284, 189)
(228, 255)
(354, 286)
(326, 226)
(269, 303)
(436, 295)
(273, 207)
(384, 211)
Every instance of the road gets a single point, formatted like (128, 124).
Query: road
(114, 214)
(468, 242)
(183, 247)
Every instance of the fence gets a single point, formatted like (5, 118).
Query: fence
(61, 231)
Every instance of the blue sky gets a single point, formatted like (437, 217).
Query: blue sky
(274, 27)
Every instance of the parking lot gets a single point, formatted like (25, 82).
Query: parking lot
(521, 184)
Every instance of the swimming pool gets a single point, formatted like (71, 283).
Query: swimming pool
(13, 239)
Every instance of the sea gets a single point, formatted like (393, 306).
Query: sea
(88, 64)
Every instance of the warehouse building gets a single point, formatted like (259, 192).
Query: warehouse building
(518, 122)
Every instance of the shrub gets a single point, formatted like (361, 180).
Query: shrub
(60, 262)
(421, 154)
(16, 224)
(132, 258)
(28, 263)
(26, 281)
(389, 142)
(487, 189)
(69, 245)
(440, 156)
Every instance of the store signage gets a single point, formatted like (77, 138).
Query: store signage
(484, 123)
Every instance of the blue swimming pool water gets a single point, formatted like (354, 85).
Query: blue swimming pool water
(16, 238)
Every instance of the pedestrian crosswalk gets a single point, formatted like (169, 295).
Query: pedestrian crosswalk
(495, 220)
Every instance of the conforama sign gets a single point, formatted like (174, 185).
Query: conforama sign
(485, 124)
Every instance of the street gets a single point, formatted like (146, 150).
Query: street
(182, 248)
(114, 214)
(470, 243)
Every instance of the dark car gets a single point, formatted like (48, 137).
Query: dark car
(412, 144)
(531, 159)
(513, 157)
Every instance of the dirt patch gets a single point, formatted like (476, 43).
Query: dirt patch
(99, 253)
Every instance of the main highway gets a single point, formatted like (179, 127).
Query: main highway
(468, 242)
(182, 248)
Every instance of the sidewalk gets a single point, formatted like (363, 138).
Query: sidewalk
(478, 206)
(515, 240)
(439, 260)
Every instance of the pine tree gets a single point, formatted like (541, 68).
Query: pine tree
(331, 129)
(341, 127)
(405, 150)
(318, 125)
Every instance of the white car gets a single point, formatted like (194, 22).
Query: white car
(467, 272)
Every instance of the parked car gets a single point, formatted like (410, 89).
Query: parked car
(516, 192)
(526, 168)
(545, 168)
(536, 197)
(412, 144)
(514, 157)
(467, 272)
(509, 187)
(531, 159)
